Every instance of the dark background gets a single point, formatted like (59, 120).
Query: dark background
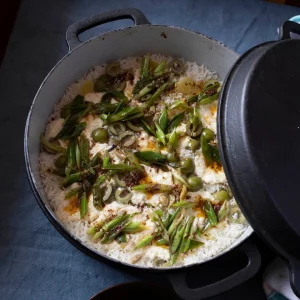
(35, 261)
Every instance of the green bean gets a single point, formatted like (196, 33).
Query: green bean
(98, 235)
(145, 66)
(148, 128)
(160, 68)
(119, 167)
(83, 205)
(153, 188)
(151, 156)
(125, 114)
(117, 220)
(206, 150)
(184, 246)
(133, 159)
(173, 216)
(178, 236)
(105, 108)
(193, 99)
(98, 196)
(75, 177)
(120, 106)
(215, 154)
(144, 91)
(223, 211)
(77, 154)
(92, 230)
(100, 180)
(166, 219)
(71, 156)
(95, 160)
(73, 112)
(186, 204)
(72, 192)
(210, 213)
(52, 147)
(84, 146)
(175, 223)
(111, 235)
(208, 100)
(105, 159)
(162, 242)
(155, 96)
(145, 241)
(174, 257)
(72, 131)
(173, 139)
(134, 227)
(163, 120)
(160, 134)
(175, 121)
(178, 176)
(183, 193)
(211, 83)
(122, 238)
(179, 104)
(206, 226)
(195, 244)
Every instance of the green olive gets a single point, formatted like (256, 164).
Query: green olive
(103, 83)
(194, 183)
(113, 69)
(208, 134)
(100, 135)
(194, 144)
(221, 196)
(187, 166)
(61, 161)
(177, 66)
(172, 157)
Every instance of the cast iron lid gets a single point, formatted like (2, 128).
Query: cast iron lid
(259, 135)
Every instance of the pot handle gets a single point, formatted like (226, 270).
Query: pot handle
(286, 29)
(294, 268)
(119, 14)
(178, 279)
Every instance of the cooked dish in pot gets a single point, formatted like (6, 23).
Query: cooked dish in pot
(130, 163)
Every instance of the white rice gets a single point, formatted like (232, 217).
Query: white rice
(219, 238)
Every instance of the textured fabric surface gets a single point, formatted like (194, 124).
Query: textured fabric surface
(35, 260)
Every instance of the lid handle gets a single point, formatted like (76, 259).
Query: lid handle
(286, 29)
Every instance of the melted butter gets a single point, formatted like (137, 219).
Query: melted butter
(216, 167)
(73, 206)
(151, 145)
(213, 109)
(87, 87)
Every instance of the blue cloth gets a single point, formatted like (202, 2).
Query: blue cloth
(36, 262)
